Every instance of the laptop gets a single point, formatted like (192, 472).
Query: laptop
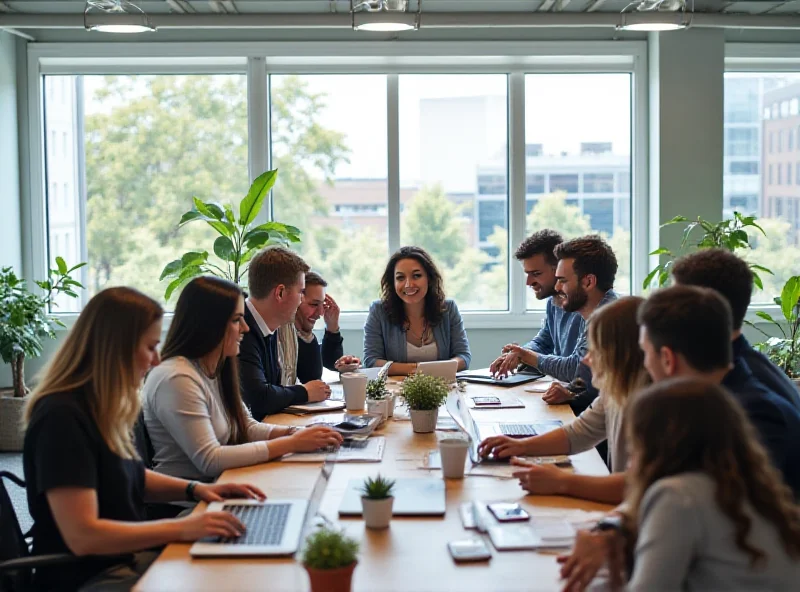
(445, 369)
(484, 376)
(274, 526)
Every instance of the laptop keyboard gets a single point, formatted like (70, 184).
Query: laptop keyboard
(265, 524)
(517, 429)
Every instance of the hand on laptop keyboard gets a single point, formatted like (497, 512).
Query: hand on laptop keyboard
(210, 524)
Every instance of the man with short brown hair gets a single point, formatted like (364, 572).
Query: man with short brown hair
(276, 281)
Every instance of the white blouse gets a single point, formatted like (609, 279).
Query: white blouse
(426, 353)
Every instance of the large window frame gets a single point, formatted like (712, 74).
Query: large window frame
(259, 60)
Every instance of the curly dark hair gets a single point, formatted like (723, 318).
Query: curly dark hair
(722, 271)
(541, 242)
(434, 299)
(591, 255)
(683, 425)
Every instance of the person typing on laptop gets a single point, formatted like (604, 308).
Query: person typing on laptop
(617, 363)
(413, 322)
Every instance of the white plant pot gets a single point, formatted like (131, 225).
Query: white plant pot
(377, 512)
(12, 437)
(390, 399)
(424, 421)
(378, 407)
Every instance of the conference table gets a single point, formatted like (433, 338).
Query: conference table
(412, 553)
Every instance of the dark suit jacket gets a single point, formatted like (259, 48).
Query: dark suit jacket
(261, 374)
(765, 371)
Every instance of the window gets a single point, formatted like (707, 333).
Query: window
(598, 182)
(535, 184)
(66, 197)
(141, 172)
(583, 156)
(457, 176)
(747, 190)
(743, 141)
(335, 191)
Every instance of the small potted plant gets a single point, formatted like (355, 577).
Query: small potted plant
(378, 397)
(329, 557)
(784, 351)
(377, 501)
(423, 395)
(25, 321)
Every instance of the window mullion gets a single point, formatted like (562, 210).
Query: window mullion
(517, 188)
(259, 139)
(393, 152)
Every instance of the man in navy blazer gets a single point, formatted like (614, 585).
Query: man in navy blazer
(276, 280)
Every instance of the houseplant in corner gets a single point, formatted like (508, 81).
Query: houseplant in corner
(378, 397)
(377, 501)
(329, 557)
(24, 322)
(239, 237)
(784, 351)
(423, 395)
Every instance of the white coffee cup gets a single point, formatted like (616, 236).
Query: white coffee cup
(354, 385)
(453, 452)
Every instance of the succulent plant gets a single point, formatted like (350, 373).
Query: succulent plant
(376, 388)
(377, 488)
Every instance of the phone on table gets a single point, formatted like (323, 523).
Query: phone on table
(469, 550)
(485, 401)
(505, 512)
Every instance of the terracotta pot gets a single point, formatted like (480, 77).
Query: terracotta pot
(11, 434)
(331, 580)
(424, 421)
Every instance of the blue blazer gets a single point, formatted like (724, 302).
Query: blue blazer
(386, 341)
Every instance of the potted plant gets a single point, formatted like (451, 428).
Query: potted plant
(24, 322)
(784, 351)
(239, 237)
(378, 397)
(377, 501)
(329, 557)
(423, 395)
(729, 234)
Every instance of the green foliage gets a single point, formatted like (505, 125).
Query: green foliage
(327, 548)
(728, 234)
(377, 488)
(785, 351)
(423, 392)
(239, 238)
(24, 318)
(376, 388)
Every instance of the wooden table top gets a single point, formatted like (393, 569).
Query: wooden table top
(412, 553)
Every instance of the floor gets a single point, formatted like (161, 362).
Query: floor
(12, 461)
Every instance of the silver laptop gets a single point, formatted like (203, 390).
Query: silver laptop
(274, 527)
(445, 369)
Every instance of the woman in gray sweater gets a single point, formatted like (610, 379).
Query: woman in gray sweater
(705, 509)
(193, 408)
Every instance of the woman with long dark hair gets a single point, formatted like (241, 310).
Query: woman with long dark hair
(705, 507)
(86, 485)
(413, 321)
(193, 407)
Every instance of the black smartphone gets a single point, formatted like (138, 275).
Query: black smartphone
(508, 512)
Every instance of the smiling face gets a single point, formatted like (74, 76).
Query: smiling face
(146, 354)
(289, 298)
(311, 308)
(569, 287)
(540, 276)
(410, 281)
(235, 330)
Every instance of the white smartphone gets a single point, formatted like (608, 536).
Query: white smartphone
(469, 550)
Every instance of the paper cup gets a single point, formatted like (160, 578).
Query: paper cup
(454, 456)
(354, 385)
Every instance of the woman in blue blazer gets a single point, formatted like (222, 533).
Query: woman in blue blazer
(413, 322)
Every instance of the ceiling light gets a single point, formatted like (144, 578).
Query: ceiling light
(652, 26)
(384, 15)
(116, 16)
(670, 16)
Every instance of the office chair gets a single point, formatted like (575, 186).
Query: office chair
(144, 446)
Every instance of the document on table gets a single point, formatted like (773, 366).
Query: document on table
(356, 450)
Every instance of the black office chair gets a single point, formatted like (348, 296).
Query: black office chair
(16, 562)
(144, 446)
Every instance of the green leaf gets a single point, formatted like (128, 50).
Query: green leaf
(757, 281)
(78, 266)
(194, 258)
(256, 240)
(189, 216)
(62, 265)
(661, 251)
(252, 202)
(216, 210)
(766, 316)
(229, 214)
(224, 228)
(789, 296)
(173, 268)
(649, 278)
(686, 232)
(663, 276)
(675, 220)
(223, 248)
(186, 274)
(761, 268)
(206, 209)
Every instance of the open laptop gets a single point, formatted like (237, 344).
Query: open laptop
(445, 369)
(484, 376)
(274, 526)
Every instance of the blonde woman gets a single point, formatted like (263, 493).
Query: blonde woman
(86, 485)
(618, 371)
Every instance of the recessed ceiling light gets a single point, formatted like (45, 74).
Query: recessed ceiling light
(384, 26)
(653, 27)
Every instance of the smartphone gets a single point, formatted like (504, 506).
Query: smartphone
(469, 550)
(508, 512)
(485, 401)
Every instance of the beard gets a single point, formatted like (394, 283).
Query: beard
(574, 301)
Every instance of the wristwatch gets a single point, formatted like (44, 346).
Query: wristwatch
(190, 491)
(609, 523)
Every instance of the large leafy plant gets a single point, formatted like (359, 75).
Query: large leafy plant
(24, 318)
(785, 351)
(729, 234)
(239, 237)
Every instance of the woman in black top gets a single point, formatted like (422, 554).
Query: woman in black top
(86, 485)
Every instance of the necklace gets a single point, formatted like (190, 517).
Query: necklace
(422, 337)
